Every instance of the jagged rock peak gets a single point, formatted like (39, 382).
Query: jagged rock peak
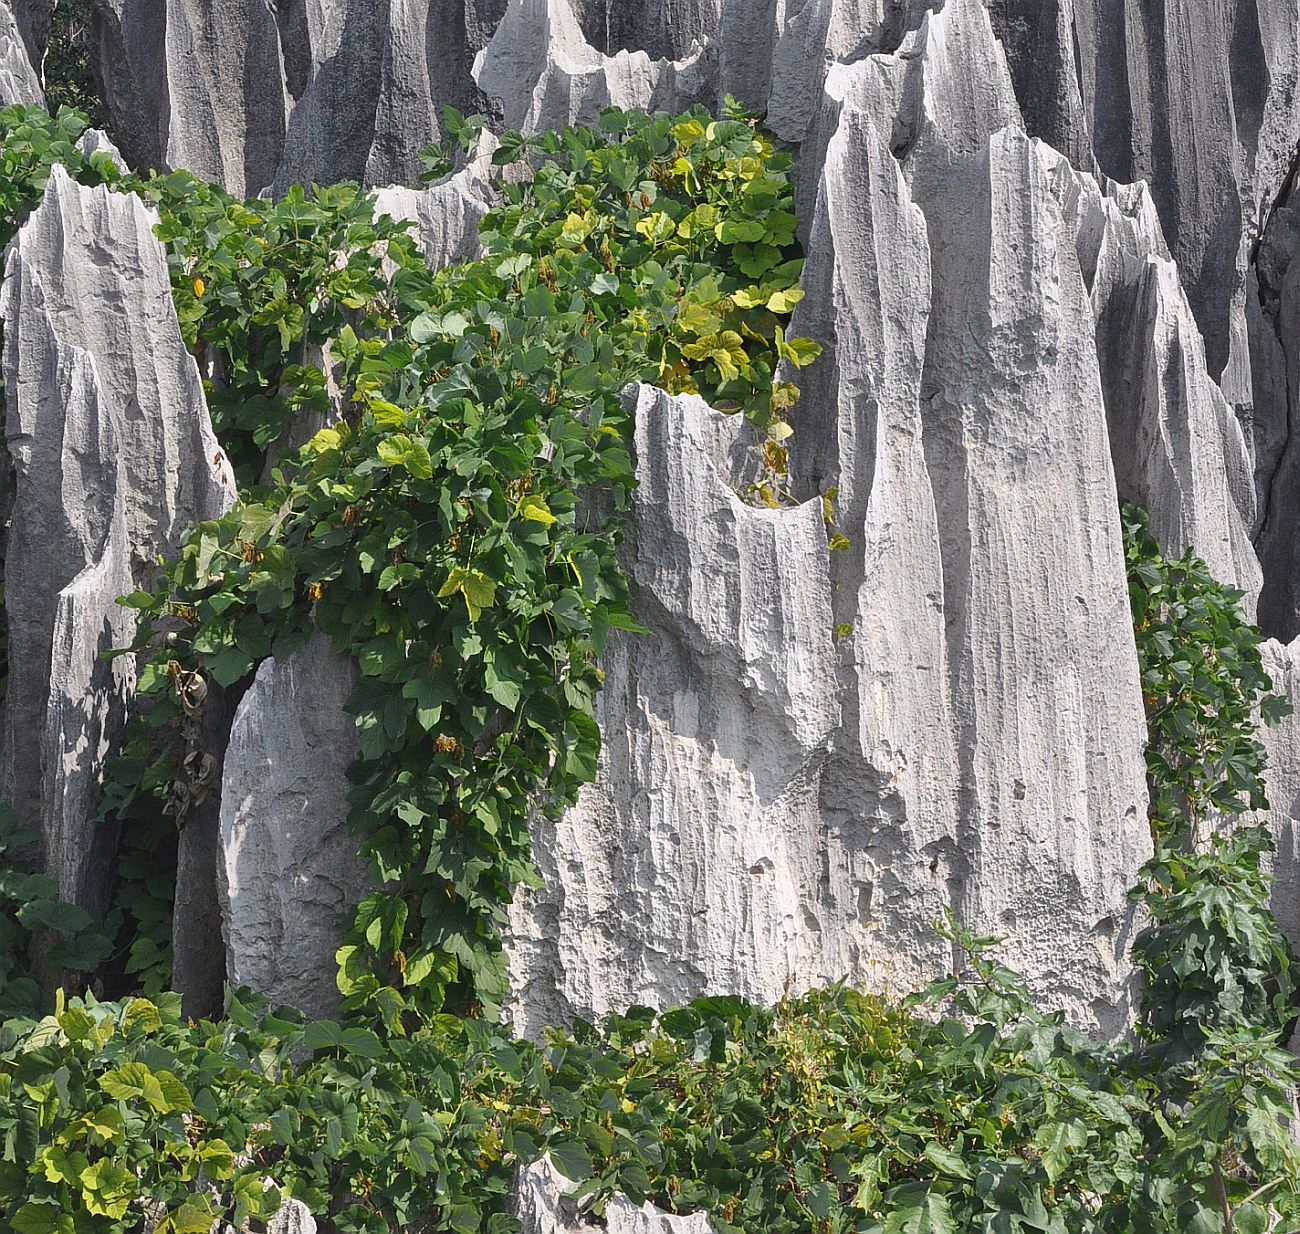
(114, 458)
(19, 81)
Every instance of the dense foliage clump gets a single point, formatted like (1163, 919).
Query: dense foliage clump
(68, 70)
(456, 530)
(454, 527)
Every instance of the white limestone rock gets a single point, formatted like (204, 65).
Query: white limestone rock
(226, 92)
(288, 867)
(889, 795)
(816, 34)
(543, 1205)
(695, 863)
(447, 213)
(1179, 450)
(114, 458)
(1200, 100)
(96, 141)
(294, 1217)
(546, 74)
(194, 84)
(980, 747)
(1282, 783)
(19, 81)
(1043, 666)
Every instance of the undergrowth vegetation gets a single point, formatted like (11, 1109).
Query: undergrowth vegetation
(454, 527)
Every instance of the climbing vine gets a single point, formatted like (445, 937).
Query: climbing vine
(451, 521)
(455, 529)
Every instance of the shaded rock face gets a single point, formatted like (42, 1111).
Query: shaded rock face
(1277, 450)
(288, 866)
(1199, 100)
(113, 458)
(33, 18)
(258, 96)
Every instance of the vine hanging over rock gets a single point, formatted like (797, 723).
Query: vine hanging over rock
(456, 529)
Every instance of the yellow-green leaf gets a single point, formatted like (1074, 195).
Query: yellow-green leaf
(107, 1189)
(749, 297)
(61, 1166)
(656, 227)
(142, 1015)
(327, 439)
(784, 301)
(535, 510)
(401, 451)
(577, 227)
(478, 591)
(195, 1216)
(134, 1081)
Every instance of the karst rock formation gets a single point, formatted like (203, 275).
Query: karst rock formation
(1054, 262)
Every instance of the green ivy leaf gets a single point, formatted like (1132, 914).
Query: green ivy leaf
(401, 451)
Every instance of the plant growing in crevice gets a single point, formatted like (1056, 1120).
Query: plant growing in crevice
(1220, 976)
(36, 927)
(68, 70)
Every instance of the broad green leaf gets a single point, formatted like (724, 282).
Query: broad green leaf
(571, 1158)
(108, 1188)
(132, 1082)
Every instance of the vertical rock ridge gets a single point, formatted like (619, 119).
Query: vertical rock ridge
(546, 75)
(693, 863)
(288, 867)
(114, 457)
(227, 98)
(21, 47)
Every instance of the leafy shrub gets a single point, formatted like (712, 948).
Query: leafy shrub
(71, 940)
(445, 532)
(1203, 684)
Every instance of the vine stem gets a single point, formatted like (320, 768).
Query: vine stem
(1262, 1191)
(1222, 1189)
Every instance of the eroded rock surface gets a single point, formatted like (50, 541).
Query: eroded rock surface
(114, 458)
(544, 1206)
(19, 81)
(258, 96)
(446, 214)
(546, 74)
(696, 863)
(288, 866)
